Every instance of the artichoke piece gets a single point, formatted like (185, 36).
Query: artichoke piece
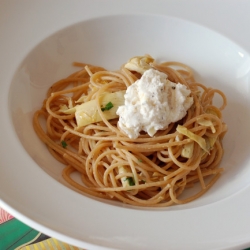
(201, 141)
(87, 112)
(139, 63)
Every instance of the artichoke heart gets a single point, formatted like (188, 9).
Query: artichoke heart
(139, 63)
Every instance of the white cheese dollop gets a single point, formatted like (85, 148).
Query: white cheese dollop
(152, 103)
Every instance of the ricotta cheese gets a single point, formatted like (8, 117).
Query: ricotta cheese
(152, 103)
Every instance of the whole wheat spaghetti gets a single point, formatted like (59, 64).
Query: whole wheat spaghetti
(146, 171)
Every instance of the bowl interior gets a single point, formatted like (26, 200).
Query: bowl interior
(109, 42)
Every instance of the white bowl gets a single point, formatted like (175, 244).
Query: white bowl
(111, 41)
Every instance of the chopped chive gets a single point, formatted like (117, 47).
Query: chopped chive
(64, 144)
(108, 106)
(131, 181)
(140, 160)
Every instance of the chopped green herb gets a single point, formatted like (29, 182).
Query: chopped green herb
(108, 106)
(131, 181)
(64, 144)
(140, 160)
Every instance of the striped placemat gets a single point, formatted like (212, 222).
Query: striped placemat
(15, 235)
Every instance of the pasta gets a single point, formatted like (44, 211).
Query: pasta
(146, 171)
